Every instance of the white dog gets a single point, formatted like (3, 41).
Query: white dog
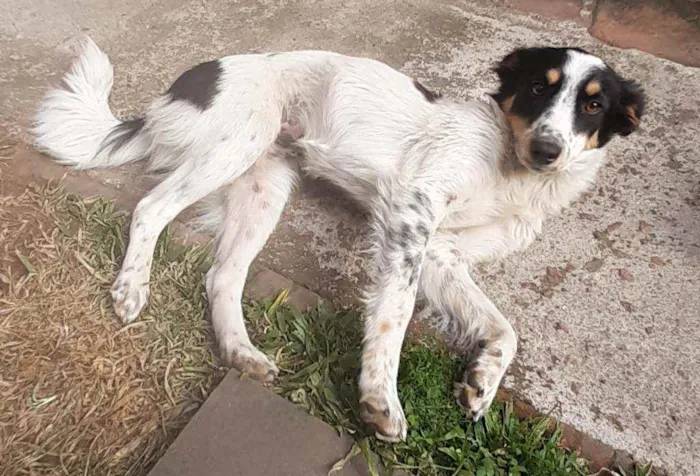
(449, 184)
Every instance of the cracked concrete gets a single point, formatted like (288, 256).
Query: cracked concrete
(606, 302)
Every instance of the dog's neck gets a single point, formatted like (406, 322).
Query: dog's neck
(549, 194)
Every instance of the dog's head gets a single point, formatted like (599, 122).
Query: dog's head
(562, 102)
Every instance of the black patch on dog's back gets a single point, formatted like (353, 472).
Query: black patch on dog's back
(429, 95)
(198, 85)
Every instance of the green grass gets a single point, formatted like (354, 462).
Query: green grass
(318, 353)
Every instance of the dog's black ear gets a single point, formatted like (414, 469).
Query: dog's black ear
(510, 64)
(630, 109)
(509, 70)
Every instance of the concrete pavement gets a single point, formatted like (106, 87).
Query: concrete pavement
(243, 429)
(606, 302)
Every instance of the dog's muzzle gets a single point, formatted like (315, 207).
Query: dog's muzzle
(544, 151)
(546, 148)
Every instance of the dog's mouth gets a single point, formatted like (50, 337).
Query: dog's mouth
(541, 153)
(536, 147)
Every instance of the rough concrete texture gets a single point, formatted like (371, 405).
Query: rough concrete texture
(604, 302)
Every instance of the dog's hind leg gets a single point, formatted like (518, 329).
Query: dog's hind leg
(252, 207)
(471, 322)
(196, 177)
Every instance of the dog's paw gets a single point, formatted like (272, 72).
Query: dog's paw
(480, 381)
(475, 397)
(130, 295)
(385, 416)
(250, 361)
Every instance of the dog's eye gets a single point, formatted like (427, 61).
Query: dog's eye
(538, 88)
(593, 107)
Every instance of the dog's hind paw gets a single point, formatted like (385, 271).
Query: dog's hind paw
(481, 379)
(129, 296)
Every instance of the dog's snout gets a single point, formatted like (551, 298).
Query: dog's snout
(544, 151)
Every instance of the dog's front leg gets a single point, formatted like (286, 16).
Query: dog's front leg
(472, 322)
(404, 221)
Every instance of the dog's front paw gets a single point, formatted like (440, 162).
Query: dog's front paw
(130, 295)
(480, 381)
(250, 361)
(385, 416)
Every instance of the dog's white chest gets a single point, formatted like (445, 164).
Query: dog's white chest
(472, 212)
(497, 217)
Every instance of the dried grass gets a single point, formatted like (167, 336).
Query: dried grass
(79, 393)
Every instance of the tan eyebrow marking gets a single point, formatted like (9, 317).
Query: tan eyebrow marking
(553, 76)
(592, 88)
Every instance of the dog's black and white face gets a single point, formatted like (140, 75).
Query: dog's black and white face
(562, 102)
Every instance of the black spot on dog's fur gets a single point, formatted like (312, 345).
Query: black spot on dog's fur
(421, 198)
(423, 231)
(391, 242)
(198, 86)
(429, 95)
(472, 382)
(414, 276)
(123, 134)
(422, 205)
(409, 261)
(406, 236)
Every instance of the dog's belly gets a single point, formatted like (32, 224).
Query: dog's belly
(359, 157)
(347, 167)
(356, 125)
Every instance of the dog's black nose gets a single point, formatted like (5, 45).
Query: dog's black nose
(544, 152)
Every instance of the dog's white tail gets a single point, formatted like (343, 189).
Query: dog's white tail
(75, 125)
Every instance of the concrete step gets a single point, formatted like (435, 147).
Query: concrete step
(244, 429)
